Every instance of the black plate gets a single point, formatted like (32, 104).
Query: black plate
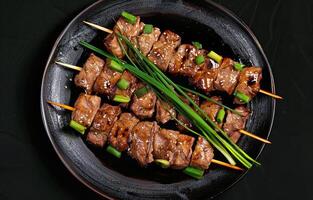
(207, 22)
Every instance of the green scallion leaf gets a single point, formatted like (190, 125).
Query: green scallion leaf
(141, 92)
(194, 172)
(198, 45)
(163, 163)
(78, 127)
(148, 28)
(217, 58)
(220, 115)
(241, 96)
(116, 66)
(114, 151)
(199, 59)
(129, 17)
(121, 98)
(238, 66)
(123, 84)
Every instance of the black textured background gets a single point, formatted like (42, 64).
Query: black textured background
(29, 167)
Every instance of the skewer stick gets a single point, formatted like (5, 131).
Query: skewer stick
(98, 27)
(226, 164)
(254, 136)
(66, 107)
(69, 66)
(270, 94)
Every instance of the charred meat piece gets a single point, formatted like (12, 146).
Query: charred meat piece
(182, 118)
(202, 154)
(227, 77)
(164, 112)
(121, 130)
(106, 82)
(249, 82)
(183, 151)
(164, 49)
(125, 28)
(86, 107)
(210, 108)
(235, 122)
(131, 88)
(164, 145)
(102, 124)
(141, 142)
(90, 71)
(145, 41)
(144, 106)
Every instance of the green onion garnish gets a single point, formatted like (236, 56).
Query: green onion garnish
(198, 45)
(148, 28)
(163, 163)
(123, 84)
(114, 151)
(121, 98)
(78, 127)
(238, 66)
(116, 66)
(129, 17)
(199, 59)
(244, 98)
(194, 172)
(215, 57)
(141, 91)
(220, 115)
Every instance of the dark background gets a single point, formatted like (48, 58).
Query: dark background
(29, 167)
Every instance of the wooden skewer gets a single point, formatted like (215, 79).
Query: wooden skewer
(69, 66)
(66, 107)
(254, 136)
(226, 164)
(270, 94)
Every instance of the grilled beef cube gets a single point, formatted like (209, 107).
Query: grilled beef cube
(235, 122)
(144, 106)
(202, 154)
(121, 130)
(183, 151)
(210, 108)
(141, 142)
(131, 88)
(227, 77)
(249, 82)
(164, 49)
(90, 71)
(164, 112)
(106, 82)
(182, 118)
(102, 124)
(86, 107)
(126, 29)
(145, 41)
(164, 145)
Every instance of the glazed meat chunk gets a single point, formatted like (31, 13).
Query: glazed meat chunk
(86, 107)
(132, 80)
(164, 145)
(90, 71)
(145, 41)
(235, 122)
(202, 154)
(211, 108)
(164, 112)
(182, 118)
(121, 130)
(249, 82)
(183, 151)
(163, 50)
(141, 142)
(227, 77)
(102, 124)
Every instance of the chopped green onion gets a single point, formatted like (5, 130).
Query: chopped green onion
(129, 17)
(244, 98)
(114, 151)
(78, 127)
(194, 172)
(116, 66)
(123, 84)
(141, 91)
(238, 66)
(199, 59)
(121, 98)
(163, 163)
(220, 115)
(215, 57)
(198, 45)
(148, 28)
